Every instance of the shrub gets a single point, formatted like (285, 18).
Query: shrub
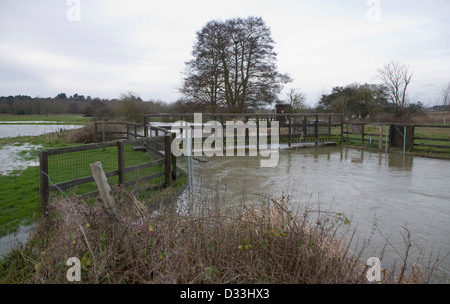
(201, 243)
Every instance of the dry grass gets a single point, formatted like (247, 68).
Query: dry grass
(199, 243)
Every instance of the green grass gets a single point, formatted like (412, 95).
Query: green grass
(20, 202)
(70, 166)
(71, 119)
(19, 191)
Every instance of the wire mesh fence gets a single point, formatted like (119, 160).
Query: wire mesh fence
(66, 171)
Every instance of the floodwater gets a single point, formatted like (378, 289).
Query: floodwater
(25, 129)
(11, 160)
(14, 240)
(380, 193)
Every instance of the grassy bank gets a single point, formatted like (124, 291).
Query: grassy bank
(206, 242)
(19, 191)
(63, 119)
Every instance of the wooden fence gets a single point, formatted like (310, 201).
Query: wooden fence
(127, 130)
(293, 127)
(161, 150)
(407, 137)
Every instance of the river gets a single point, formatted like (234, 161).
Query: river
(380, 193)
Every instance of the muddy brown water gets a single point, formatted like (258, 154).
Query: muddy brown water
(380, 193)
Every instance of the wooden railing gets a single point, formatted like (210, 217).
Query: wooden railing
(407, 137)
(293, 127)
(115, 150)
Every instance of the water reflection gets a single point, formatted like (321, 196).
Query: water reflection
(381, 193)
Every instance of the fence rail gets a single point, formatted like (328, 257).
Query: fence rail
(293, 127)
(418, 138)
(128, 130)
(122, 162)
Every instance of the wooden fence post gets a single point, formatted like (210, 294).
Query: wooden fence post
(289, 130)
(329, 125)
(103, 186)
(103, 131)
(168, 158)
(44, 186)
(145, 126)
(174, 159)
(316, 129)
(121, 162)
(362, 133)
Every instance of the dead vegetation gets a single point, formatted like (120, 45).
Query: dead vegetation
(192, 243)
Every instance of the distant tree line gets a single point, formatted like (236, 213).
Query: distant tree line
(128, 105)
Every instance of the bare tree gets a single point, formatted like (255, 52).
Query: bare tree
(396, 77)
(445, 93)
(233, 66)
(296, 99)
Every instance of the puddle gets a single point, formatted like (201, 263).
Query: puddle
(10, 160)
(13, 240)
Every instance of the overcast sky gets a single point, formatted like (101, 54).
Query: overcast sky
(140, 46)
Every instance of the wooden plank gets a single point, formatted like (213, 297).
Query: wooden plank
(81, 148)
(432, 139)
(432, 146)
(79, 181)
(144, 166)
(145, 178)
(432, 126)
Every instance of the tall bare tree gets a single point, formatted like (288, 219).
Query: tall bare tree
(445, 93)
(396, 77)
(233, 66)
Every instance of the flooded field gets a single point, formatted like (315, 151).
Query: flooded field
(381, 194)
(11, 158)
(27, 129)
